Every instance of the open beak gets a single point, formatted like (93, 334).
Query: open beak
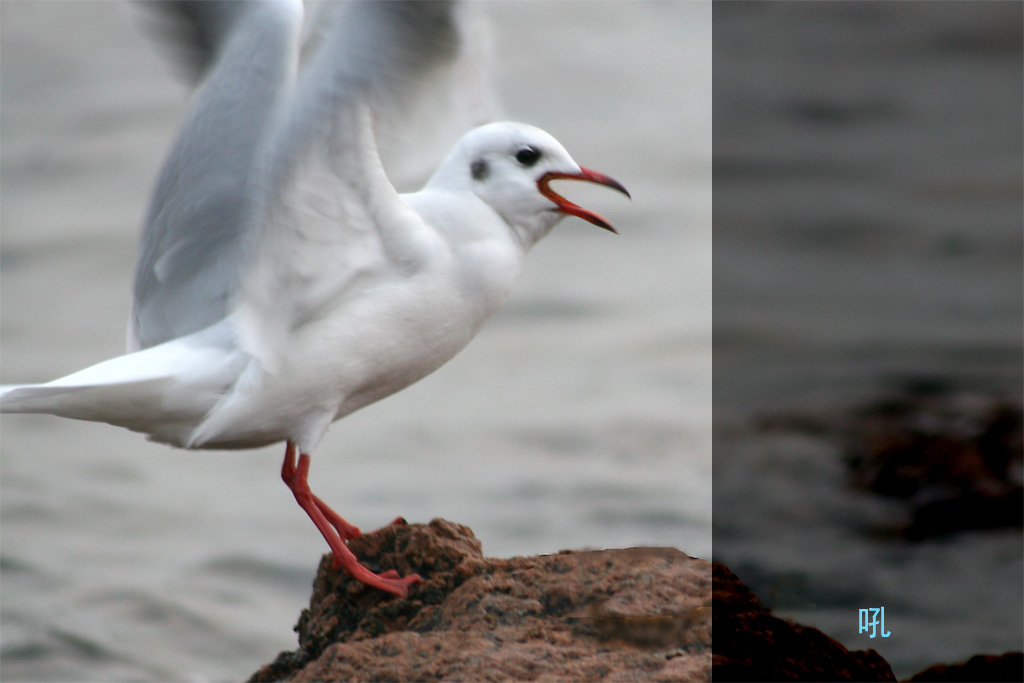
(565, 206)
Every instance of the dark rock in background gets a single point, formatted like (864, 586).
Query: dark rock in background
(1007, 667)
(753, 645)
(955, 457)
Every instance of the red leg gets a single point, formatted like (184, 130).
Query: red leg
(336, 530)
(346, 530)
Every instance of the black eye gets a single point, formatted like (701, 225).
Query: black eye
(528, 156)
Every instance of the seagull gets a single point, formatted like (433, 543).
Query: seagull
(283, 282)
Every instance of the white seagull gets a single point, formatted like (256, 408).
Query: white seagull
(282, 281)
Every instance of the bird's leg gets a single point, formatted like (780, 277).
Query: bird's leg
(336, 530)
(346, 530)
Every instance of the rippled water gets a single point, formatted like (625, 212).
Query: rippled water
(579, 418)
(868, 237)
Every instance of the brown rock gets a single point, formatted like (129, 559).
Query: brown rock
(1006, 667)
(753, 645)
(609, 615)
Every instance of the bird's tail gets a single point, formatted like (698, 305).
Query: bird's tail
(134, 405)
(22, 398)
(163, 391)
(96, 402)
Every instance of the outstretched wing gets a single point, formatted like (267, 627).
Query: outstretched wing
(328, 215)
(417, 123)
(417, 64)
(189, 32)
(246, 55)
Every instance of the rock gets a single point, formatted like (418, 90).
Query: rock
(753, 645)
(607, 615)
(957, 458)
(636, 613)
(1007, 667)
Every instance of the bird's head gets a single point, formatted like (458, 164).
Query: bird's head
(510, 166)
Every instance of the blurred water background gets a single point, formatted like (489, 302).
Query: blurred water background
(580, 417)
(868, 241)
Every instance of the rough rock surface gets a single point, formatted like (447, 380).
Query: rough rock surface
(753, 645)
(609, 615)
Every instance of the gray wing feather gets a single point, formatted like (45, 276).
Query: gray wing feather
(248, 137)
(372, 53)
(417, 124)
(190, 32)
(189, 253)
(328, 211)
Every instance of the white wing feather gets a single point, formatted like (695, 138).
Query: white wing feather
(328, 213)
(190, 250)
(233, 165)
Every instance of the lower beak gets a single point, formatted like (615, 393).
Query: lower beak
(568, 207)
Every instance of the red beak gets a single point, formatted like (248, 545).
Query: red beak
(568, 207)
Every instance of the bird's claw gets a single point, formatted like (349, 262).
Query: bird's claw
(391, 582)
(402, 584)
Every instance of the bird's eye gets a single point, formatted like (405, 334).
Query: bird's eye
(528, 156)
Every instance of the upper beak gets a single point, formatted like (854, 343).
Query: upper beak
(566, 206)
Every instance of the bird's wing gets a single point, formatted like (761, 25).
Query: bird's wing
(162, 391)
(417, 123)
(246, 56)
(329, 217)
(417, 64)
(189, 33)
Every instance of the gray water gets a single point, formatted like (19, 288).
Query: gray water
(868, 237)
(580, 417)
